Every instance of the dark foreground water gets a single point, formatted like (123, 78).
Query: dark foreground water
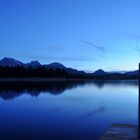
(65, 110)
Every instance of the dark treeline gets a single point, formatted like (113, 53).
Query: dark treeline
(44, 72)
(41, 72)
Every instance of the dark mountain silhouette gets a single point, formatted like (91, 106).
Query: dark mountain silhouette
(100, 72)
(33, 64)
(55, 66)
(13, 68)
(132, 72)
(10, 67)
(11, 62)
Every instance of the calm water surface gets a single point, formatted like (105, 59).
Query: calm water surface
(65, 110)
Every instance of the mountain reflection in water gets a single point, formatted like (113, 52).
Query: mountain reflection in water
(65, 110)
(11, 90)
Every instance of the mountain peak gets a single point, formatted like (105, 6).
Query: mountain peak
(35, 63)
(99, 72)
(8, 58)
(11, 62)
(56, 65)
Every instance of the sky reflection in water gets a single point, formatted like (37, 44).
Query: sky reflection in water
(65, 110)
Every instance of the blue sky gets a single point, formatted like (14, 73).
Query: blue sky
(83, 34)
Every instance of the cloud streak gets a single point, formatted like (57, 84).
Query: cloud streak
(98, 47)
(53, 58)
(104, 49)
(55, 47)
(134, 37)
(137, 49)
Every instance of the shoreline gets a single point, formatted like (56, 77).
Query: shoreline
(35, 79)
(40, 79)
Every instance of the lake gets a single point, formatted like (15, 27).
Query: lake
(70, 110)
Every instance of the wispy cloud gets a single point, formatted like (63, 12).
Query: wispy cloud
(104, 49)
(134, 36)
(55, 47)
(136, 39)
(82, 58)
(98, 47)
(53, 58)
(137, 49)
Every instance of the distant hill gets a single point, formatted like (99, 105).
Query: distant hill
(132, 72)
(100, 72)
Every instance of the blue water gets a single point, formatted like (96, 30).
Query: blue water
(65, 110)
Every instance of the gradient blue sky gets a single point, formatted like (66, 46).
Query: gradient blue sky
(83, 34)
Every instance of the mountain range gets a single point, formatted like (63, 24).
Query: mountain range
(11, 62)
